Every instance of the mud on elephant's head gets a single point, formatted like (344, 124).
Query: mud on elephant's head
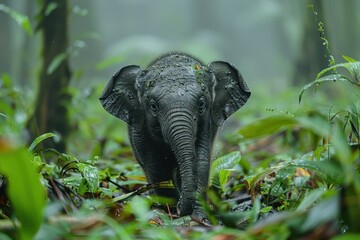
(178, 103)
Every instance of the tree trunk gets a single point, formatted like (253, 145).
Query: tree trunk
(312, 57)
(51, 113)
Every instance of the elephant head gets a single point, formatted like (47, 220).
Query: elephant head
(176, 105)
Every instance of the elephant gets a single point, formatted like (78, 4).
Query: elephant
(173, 109)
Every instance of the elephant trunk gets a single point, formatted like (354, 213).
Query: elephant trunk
(179, 130)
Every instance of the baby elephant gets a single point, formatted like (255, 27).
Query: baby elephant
(174, 108)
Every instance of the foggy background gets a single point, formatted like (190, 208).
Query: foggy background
(265, 39)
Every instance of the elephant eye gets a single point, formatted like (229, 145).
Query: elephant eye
(154, 108)
(202, 105)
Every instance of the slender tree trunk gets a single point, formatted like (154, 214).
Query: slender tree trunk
(348, 33)
(312, 57)
(51, 113)
(21, 47)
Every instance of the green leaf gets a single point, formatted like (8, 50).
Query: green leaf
(326, 211)
(90, 180)
(50, 8)
(26, 193)
(266, 126)
(19, 18)
(332, 78)
(5, 81)
(222, 167)
(316, 123)
(39, 140)
(348, 66)
(266, 209)
(355, 120)
(223, 177)
(349, 59)
(310, 199)
(55, 63)
(344, 155)
(255, 210)
(352, 66)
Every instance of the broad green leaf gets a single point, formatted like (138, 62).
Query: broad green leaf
(324, 212)
(39, 140)
(255, 210)
(266, 126)
(354, 69)
(332, 78)
(55, 63)
(222, 167)
(352, 66)
(26, 193)
(344, 155)
(20, 19)
(341, 146)
(310, 199)
(90, 180)
(316, 123)
(266, 209)
(223, 177)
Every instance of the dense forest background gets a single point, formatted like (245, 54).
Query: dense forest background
(264, 38)
(58, 55)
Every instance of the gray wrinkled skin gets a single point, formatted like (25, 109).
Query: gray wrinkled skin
(174, 108)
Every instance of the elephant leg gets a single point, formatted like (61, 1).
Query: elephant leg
(153, 157)
(157, 170)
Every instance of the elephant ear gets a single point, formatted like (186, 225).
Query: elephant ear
(231, 91)
(120, 97)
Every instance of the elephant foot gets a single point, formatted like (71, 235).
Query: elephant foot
(188, 206)
(198, 217)
(185, 206)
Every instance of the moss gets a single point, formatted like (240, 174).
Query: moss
(200, 73)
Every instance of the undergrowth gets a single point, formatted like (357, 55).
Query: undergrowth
(289, 174)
